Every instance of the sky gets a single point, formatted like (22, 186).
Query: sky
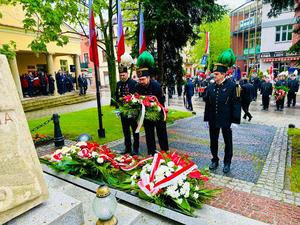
(232, 4)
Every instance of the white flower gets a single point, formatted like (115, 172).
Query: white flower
(132, 183)
(196, 195)
(133, 177)
(94, 154)
(74, 149)
(152, 104)
(168, 173)
(134, 100)
(65, 150)
(179, 200)
(151, 185)
(180, 182)
(179, 168)
(100, 160)
(171, 164)
(158, 109)
(196, 188)
(81, 143)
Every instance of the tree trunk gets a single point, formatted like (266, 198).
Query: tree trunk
(160, 54)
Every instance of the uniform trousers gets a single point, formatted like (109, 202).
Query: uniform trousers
(265, 101)
(245, 107)
(214, 137)
(291, 96)
(189, 102)
(161, 131)
(280, 103)
(128, 123)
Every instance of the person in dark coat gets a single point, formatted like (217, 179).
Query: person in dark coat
(247, 93)
(44, 83)
(148, 86)
(51, 84)
(256, 83)
(30, 79)
(293, 85)
(125, 87)
(81, 84)
(222, 108)
(85, 84)
(281, 82)
(266, 92)
(189, 92)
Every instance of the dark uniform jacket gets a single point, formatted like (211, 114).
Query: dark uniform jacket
(189, 88)
(293, 85)
(256, 82)
(266, 89)
(153, 88)
(247, 92)
(281, 83)
(125, 88)
(222, 106)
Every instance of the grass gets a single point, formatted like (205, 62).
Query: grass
(294, 171)
(85, 121)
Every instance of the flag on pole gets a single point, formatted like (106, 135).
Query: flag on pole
(206, 43)
(120, 40)
(271, 72)
(142, 38)
(93, 49)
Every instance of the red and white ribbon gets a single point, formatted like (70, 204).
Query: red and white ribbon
(142, 117)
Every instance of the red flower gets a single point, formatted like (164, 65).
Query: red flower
(58, 156)
(92, 146)
(127, 98)
(146, 103)
(85, 153)
(204, 178)
(195, 174)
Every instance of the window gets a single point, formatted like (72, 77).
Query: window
(86, 58)
(64, 65)
(283, 33)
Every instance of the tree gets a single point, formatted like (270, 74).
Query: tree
(219, 40)
(46, 18)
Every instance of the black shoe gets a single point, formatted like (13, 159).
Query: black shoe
(226, 168)
(213, 165)
(250, 118)
(244, 117)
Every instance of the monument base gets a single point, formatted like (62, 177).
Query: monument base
(58, 209)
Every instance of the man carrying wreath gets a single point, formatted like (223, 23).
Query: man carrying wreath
(149, 87)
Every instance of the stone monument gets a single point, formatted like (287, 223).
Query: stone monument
(22, 184)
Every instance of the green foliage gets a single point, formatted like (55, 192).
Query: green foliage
(9, 50)
(277, 6)
(85, 121)
(294, 171)
(219, 39)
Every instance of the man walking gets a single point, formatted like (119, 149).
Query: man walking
(189, 92)
(125, 87)
(247, 94)
(222, 108)
(266, 92)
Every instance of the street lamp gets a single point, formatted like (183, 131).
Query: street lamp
(104, 206)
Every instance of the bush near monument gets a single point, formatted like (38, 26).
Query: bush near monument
(167, 179)
(294, 171)
(41, 139)
(86, 121)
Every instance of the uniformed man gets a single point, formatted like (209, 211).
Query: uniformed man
(189, 92)
(256, 84)
(293, 86)
(222, 108)
(126, 86)
(266, 92)
(247, 93)
(148, 86)
(281, 82)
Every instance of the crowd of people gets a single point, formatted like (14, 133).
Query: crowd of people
(40, 83)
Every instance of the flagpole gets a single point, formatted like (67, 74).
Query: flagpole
(101, 131)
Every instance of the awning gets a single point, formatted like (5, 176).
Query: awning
(281, 59)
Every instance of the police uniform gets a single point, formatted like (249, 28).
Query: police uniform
(123, 89)
(222, 108)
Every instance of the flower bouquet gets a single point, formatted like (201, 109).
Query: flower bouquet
(172, 180)
(144, 107)
(280, 92)
(167, 179)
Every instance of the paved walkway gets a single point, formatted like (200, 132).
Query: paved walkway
(256, 187)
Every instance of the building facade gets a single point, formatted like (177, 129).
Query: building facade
(245, 32)
(66, 58)
(276, 39)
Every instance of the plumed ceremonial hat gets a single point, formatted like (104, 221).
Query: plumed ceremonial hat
(226, 59)
(144, 62)
(126, 61)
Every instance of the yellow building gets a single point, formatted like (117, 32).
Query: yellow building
(57, 58)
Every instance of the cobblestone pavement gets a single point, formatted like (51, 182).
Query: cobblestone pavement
(261, 195)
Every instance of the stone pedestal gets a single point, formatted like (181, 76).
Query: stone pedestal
(22, 184)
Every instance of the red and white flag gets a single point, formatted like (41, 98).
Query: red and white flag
(93, 48)
(206, 43)
(142, 38)
(120, 36)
